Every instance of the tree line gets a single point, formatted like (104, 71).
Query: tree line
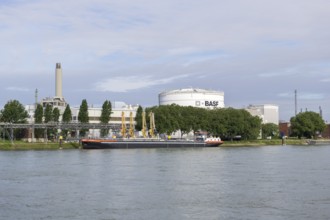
(15, 113)
(227, 123)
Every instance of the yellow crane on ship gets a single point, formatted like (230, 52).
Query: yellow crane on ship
(131, 126)
(123, 125)
(144, 124)
(152, 124)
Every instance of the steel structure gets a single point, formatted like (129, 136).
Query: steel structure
(52, 125)
(62, 126)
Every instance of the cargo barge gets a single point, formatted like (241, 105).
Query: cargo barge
(147, 143)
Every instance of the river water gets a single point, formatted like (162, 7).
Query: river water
(270, 182)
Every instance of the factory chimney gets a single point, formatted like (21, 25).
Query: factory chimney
(58, 81)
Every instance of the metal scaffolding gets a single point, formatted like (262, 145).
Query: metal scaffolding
(63, 126)
(5, 127)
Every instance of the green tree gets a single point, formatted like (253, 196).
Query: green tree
(307, 124)
(252, 127)
(14, 112)
(56, 118)
(138, 118)
(56, 114)
(217, 122)
(48, 113)
(225, 123)
(166, 118)
(186, 119)
(233, 122)
(38, 116)
(48, 117)
(66, 118)
(199, 118)
(269, 130)
(83, 112)
(105, 116)
(83, 115)
(229, 123)
(67, 114)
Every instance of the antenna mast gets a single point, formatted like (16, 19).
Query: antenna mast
(36, 98)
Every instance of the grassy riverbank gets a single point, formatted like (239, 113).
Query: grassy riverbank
(20, 145)
(265, 142)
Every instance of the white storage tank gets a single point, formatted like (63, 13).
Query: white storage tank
(193, 97)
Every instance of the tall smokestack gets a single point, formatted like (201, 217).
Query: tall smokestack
(58, 81)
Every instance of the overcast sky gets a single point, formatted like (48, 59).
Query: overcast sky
(255, 51)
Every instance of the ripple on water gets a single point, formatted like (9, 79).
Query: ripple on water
(212, 183)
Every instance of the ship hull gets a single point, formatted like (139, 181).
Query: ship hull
(108, 144)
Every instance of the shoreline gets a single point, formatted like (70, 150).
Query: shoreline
(21, 146)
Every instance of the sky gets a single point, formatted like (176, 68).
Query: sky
(255, 51)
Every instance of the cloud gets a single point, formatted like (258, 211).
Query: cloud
(125, 84)
(182, 51)
(17, 89)
(285, 72)
(256, 45)
(311, 96)
(285, 95)
(325, 80)
(303, 96)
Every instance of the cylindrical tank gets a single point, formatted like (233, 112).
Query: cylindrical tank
(193, 97)
(58, 81)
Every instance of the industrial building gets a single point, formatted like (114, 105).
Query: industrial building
(118, 108)
(193, 97)
(57, 101)
(208, 99)
(268, 113)
(120, 111)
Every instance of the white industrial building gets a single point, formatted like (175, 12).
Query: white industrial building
(94, 113)
(267, 112)
(193, 97)
(201, 98)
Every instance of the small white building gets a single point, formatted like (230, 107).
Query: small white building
(268, 113)
(94, 114)
(118, 108)
(193, 97)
